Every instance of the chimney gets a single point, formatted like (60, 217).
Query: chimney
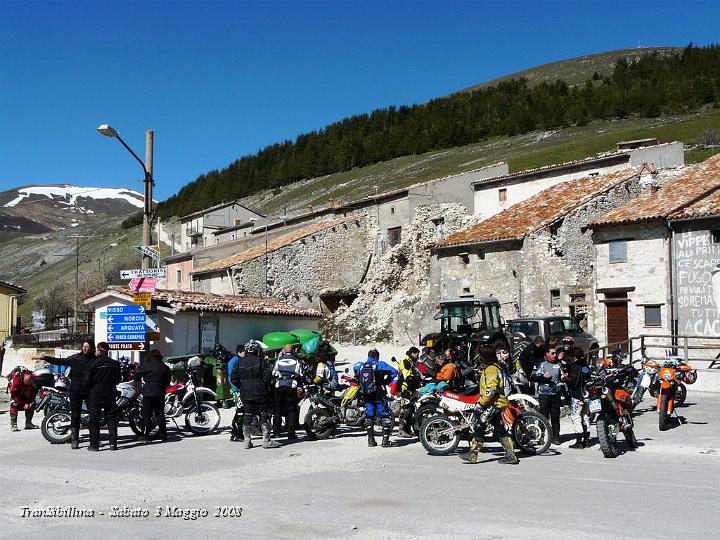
(648, 179)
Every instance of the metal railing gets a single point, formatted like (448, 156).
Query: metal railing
(58, 340)
(659, 346)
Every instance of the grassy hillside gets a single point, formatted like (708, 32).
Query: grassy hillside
(577, 70)
(522, 152)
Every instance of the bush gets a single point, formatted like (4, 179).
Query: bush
(709, 137)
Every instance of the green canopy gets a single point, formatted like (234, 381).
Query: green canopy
(277, 340)
(305, 335)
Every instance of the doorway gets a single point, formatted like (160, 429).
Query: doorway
(617, 320)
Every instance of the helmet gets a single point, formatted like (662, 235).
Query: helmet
(252, 347)
(568, 341)
(195, 363)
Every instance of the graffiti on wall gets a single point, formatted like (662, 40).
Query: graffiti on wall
(697, 260)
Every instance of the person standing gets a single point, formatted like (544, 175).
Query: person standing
(101, 378)
(373, 375)
(532, 355)
(236, 431)
(252, 377)
(577, 373)
(547, 375)
(155, 375)
(78, 364)
(22, 397)
(408, 388)
(2, 355)
(287, 371)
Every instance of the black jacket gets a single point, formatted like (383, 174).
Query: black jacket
(78, 364)
(252, 376)
(155, 376)
(102, 376)
(530, 357)
(576, 379)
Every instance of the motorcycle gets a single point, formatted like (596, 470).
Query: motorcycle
(327, 411)
(55, 426)
(197, 403)
(672, 376)
(440, 435)
(612, 404)
(650, 381)
(50, 397)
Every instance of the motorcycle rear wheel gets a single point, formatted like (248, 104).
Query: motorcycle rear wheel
(203, 421)
(51, 429)
(424, 412)
(439, 444)
(607, 436)
(318, 423)
(680, 395)
(531, 432)
(663, 413)
(137, 425)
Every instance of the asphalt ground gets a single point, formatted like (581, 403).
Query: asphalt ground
(340, 488)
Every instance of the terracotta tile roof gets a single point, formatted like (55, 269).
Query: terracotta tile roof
(223, 303)
(537, 211)
(684, 196)
(273, 245)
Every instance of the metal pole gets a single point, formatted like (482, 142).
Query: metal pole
(77, 282)
(147, 211)
(266, 264)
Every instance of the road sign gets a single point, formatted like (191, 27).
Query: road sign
(139, 273)
(125, 310)
(138, 346)
(117, 336)
(124, 327)
(143, 284)
(136, 318)
(142, 299)
(150, 252)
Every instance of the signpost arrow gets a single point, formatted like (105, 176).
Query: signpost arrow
(150, 252)
(139, 273)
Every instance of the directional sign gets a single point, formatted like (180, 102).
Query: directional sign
(150, 252)
(136, 318)
(139, 273)
(121, 327)
(115, 337)
(143, 284)
(138, 346)
(142, 299)
(125, 310)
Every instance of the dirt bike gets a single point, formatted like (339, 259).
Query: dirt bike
(440, 435)
(197, 403)
(55, 426)
(610, 401)
(328, 411)
(672, 376)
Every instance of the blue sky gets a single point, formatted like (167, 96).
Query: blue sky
(218, 80)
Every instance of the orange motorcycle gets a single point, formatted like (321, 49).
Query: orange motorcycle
(672, 375)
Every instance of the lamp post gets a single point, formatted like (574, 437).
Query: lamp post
(147, 166)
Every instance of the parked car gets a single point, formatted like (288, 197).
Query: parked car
(548, 327)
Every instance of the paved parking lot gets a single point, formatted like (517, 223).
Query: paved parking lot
(340, 488)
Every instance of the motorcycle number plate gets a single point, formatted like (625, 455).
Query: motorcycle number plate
(595, 406)
(645, 381)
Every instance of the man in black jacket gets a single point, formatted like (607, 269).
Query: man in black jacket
(156, 378)
(252, 377)
(78, 364)
(532, 355)
(577, 374)
(101, 378)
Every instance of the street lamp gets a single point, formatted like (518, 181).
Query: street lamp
(147, 166)
(269, 221)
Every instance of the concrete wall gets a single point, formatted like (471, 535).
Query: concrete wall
(664, 156)
(646, 270)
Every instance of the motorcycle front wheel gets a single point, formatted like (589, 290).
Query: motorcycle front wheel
(531, 432)
(56, 428)
(440, 435)
(680, 395)
(607, 431)
(320, 423)
(664, 413)
(203, 419)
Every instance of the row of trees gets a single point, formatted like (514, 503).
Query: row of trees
(652, 86)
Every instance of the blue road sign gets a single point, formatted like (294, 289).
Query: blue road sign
(122, 328)
(125, 310)
(125, 319)
(117, 336)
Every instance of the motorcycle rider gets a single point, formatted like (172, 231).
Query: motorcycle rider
(101, 377)
(325, 373)
(373, 375)
(236, 431)
(446, 369)
(410, 383)
(575, 378)
(155, 375)
(22, 397)
(493, 400)
(287, 371)
(547, 375)
(532, 355)
(77, 363)
(252, 377)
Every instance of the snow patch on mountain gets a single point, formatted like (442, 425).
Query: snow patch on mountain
(70, 194)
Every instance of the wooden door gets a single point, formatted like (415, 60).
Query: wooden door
(617, 324)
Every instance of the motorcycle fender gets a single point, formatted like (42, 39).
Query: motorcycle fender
(524, 397)
(665, 385)
(199, 390)
(349, 395)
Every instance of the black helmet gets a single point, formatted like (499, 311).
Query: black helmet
(252, 347)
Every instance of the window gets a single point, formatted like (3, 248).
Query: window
(178, 276)
(481, 255)
(502, 194)
(529, 328)
(554, 298)
(556, 328)
(394, 236)
(653, 316)
(392, 209)
(570, 326)
(618, 251)
(715, 235)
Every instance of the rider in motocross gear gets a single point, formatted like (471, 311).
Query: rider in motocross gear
(22, 397)
(410, 377)
(375, 403)
(493, 400)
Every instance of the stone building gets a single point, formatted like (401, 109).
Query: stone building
(536, 257)
(493, 195)
(197, 229)
(656, 258)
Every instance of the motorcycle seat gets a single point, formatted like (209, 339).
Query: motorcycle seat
(471, 398)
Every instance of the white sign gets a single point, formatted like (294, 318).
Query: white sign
(150, 252)
(138, 273)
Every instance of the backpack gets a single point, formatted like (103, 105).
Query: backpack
(366, 379)
(507, 381)
(15, 378)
